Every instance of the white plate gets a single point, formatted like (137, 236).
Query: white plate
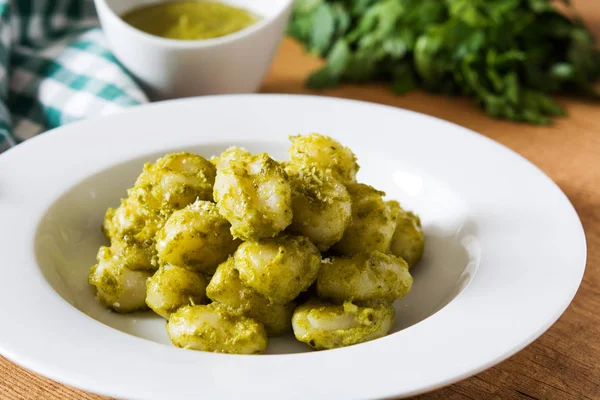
(505, 252)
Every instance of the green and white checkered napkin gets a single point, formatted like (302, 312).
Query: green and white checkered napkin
(55, 68)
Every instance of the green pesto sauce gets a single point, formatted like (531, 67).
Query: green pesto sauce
(190, 20)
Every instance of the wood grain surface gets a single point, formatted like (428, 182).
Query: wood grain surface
(565, 362)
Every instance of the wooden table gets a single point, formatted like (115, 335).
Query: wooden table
(565, 362)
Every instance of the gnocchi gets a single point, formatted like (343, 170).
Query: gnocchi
(132, 222)
(197, 237)
(324, 325)
(175, 181)
(279, 268)
(172, 287)
(408, 240)
(117, 286)
(364, 277)
(226, 288)
(214, 328)
(253, 193)
(231, 154)
(325, 152)
(238, 248)
(321, 205)
(373, 221)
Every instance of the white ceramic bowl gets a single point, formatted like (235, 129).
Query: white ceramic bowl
(235, 63)
(504, 252)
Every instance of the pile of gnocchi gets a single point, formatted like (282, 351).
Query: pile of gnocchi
(241, 247)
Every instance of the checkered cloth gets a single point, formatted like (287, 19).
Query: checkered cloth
(55, 68)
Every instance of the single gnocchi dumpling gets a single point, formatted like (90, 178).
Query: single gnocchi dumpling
(254, 195)
(135, 256)
(118, 287)
(323, 325)
(214, 328)
(172, 287)
(373, 221)
(132, 222)
(231, 154)
(279, 268)
(174, 181)
(364, 277)
(225, 287)
(325, 152)
(408, 241)
(321, 205)
(196, 237)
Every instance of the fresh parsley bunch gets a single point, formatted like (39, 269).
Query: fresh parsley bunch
(508, 55)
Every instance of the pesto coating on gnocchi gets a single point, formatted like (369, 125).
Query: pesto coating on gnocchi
(373, 221)
(137, 257)
(225, 287)
(324, 325)
(175, 181)
(364, 277)
(133, 222)
(321, 205)
(236, 248)
(231, 154)
(117, 286)
(254, 194)
(325, 152)
(172, 287)
(278, 268)
(408, 241)
(196, 237)
(214, 328)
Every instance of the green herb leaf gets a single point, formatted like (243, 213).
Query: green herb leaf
(323, 29)
(331, 74)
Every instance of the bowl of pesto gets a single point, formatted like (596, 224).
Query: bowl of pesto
(183, 48)
(383, 257)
